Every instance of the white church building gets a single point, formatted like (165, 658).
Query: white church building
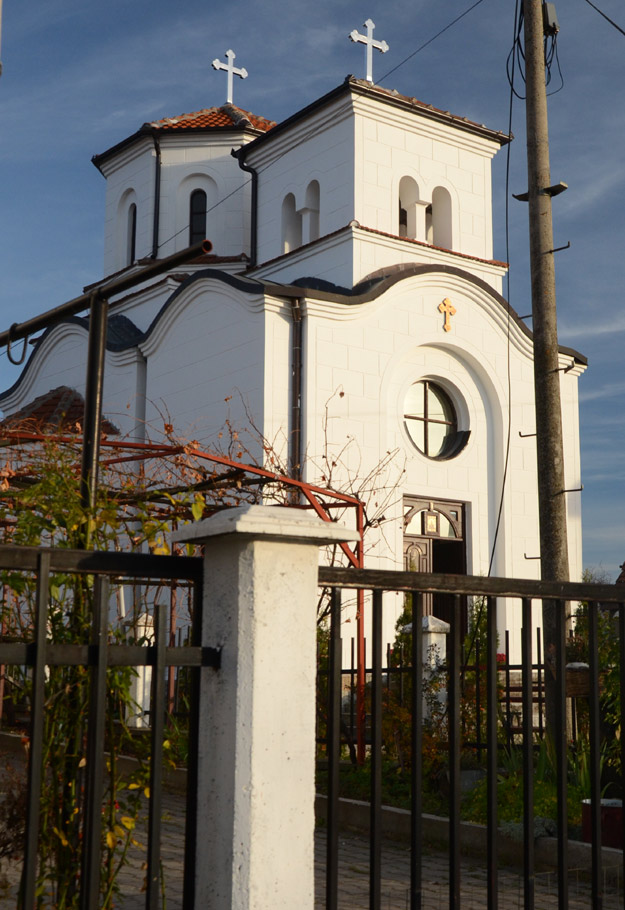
(353, 240)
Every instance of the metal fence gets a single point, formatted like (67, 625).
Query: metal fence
(37, 653)
(598, 598)
(397, 675)
(97, 654)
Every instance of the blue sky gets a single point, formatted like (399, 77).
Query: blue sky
(80, 75)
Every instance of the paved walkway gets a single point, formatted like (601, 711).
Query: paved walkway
(354, 876)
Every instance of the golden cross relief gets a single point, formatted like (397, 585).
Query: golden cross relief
(448, 309)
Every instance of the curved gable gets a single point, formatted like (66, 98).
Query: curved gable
(377, 283)
(61, 352)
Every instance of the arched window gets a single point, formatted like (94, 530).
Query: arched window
(197, 216)
(441, 218)
(131, 235)
(408, 197)
(310, 213)
(291, 224)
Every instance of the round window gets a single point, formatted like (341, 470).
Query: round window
(431, 421)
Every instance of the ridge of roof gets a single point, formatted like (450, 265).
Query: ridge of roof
(223, 118)
(394, 95)
(227, 116)
(388, 96)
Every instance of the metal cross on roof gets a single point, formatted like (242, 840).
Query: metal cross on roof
(371, 43)
(232, 70)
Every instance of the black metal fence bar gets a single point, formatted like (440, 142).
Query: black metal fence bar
(140, 566)
(375, 843)
(507, 690)
(539, 679)
(621, 626)
(157, 702)
(528, 755)
(467, 585)
(333, 750)
(532, 673)
(92, 829)
(453, 720)
(561, 757)
(416, 896)
(595, 746)
(491, 744)
(98, 656)
(35, 754)
(191, 820)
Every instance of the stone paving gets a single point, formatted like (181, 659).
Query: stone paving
(354, 876)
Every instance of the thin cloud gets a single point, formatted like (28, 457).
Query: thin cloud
(607, 390)
(611, 324)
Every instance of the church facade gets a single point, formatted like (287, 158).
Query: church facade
(351, 308)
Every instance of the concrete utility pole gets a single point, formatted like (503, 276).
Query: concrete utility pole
(551, 496)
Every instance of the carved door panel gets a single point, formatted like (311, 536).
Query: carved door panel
(434, 542)
(418, 558)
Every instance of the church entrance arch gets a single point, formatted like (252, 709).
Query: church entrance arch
(434, 541)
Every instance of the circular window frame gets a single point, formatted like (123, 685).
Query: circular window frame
(456, 439)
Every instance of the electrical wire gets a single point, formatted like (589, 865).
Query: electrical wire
(313, 131)
(607, 18)
(430, 40)
(509, 376)
(510, 69)
(516, 59)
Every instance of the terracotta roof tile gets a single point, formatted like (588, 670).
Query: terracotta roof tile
(60, 409)
(227, 116)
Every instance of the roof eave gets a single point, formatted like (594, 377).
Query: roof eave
(148, 131)
(353, 85)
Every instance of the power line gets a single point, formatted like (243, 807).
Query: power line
(517, 18)
(430, 40)
(607, 18)
(313, 131)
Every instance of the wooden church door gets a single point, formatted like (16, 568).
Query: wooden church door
(434, 541)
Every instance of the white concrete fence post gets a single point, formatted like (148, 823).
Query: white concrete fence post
(434, 645)
(256, 770)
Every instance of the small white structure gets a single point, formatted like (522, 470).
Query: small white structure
(362, 223)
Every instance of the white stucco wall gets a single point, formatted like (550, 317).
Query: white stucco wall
(359, 149)
(373, 352)
(321, 149)
(188, 162)
(130, 173)
(392, 143)
(212, 357)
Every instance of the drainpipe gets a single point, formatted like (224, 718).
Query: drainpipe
(157, 196)
(254, 215)
(295, 446)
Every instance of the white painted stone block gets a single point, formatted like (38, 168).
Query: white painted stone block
(257, 728)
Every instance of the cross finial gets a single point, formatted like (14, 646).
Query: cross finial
(232, 70)
(371, 43)
(448, 309)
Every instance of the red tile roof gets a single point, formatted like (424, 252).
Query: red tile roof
(60, 409)
(227, 116)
